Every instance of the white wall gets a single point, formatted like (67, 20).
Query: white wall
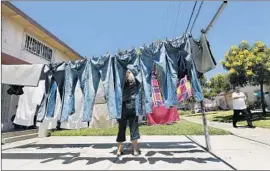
(13, 38)
(31, 58)
(59, 57)
(12, 35)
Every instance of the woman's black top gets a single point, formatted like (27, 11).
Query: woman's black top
(129, 97)
(129, 92)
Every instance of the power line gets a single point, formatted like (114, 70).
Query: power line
(191, 16)
(177, 17)
(172, 18)
(199, 10)
(169, 21)
(166, 17)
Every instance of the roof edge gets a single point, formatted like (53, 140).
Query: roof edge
(32, 21)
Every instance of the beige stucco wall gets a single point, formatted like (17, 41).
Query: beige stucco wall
(13, 38)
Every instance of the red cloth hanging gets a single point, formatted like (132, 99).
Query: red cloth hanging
(160, 114)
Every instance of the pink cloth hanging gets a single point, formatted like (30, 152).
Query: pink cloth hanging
(160, 114)
(184, 90)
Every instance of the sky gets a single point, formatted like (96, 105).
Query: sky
(93, 28)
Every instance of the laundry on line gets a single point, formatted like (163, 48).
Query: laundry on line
(172, 60)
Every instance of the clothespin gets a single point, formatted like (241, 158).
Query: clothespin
(139, 51)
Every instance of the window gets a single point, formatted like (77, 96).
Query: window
(36, 47)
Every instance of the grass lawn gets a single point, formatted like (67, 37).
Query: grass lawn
(180, 128)
(226, 116)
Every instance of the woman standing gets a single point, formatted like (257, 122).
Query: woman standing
(128, 115)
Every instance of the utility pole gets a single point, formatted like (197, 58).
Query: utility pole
(219, 11)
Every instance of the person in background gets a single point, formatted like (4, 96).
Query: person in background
(239, 106)
(128, 115)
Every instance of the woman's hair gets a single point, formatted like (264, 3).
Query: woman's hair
(129, 76)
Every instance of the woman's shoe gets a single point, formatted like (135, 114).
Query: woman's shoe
(136, 153)
(119, 153)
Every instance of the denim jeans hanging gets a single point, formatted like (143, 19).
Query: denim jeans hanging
(191, 68)
(195, 82)
(122, 62)
(148, 56)
(55, 75)
(171, 59)
(52, 101)
(76, 71)
(101, 69)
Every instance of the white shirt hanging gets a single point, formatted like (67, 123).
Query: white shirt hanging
(28, 104)
(75, 120)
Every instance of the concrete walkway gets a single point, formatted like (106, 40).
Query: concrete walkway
(158, 152)
(258, 134)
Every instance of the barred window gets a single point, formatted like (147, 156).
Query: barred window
(38, 48)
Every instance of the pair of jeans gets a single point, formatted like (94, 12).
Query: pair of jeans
(52, 101)
(133, 121)
(76, 71)
(192, 72)
(148, 56)
(195, 82)
(101, 69)
(122, 62)
(167, 68)
(54, 77)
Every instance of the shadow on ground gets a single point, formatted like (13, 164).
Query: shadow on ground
(150, 156)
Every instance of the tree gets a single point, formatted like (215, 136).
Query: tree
(219, 83)
(248, 65)
(258, 68)
(235, 63)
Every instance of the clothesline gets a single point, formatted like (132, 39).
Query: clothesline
(172, 60)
